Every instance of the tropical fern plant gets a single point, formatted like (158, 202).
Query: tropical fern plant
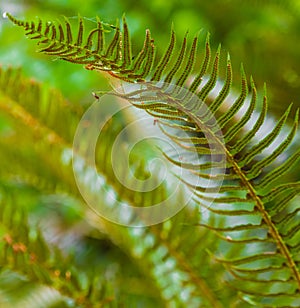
(250, 256)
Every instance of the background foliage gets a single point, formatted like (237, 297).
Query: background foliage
(261, 34)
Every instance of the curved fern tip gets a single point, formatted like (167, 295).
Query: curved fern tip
(242, 69)
(252, 83)
(288, 110)
(297, 116)
(208, 37)
(197, 34)
(10, 17)
(172, 27)
(228, 58)
(265, 89)
(186, 34)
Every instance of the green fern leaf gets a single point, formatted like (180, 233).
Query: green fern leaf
(247, 189)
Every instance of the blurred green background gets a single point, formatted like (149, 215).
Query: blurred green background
(261, 34)
(264, 35)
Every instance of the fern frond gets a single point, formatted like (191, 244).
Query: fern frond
(248, 178)
(248, 174)
(60, 40)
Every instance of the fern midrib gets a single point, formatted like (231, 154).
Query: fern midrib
(259, 203)
(266, 217)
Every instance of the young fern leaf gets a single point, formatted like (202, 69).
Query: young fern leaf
(203, 69)
(225, 90)
(256, 168)
(178, 62)
(213, 77)
(126, 45)
(189, 65)
(141, 56)
(226, 117)
(114, 44)
(229, 135)
(246, 159)
(243, 141)
(165, 59)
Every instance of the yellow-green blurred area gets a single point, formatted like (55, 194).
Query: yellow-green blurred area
(261, 34)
